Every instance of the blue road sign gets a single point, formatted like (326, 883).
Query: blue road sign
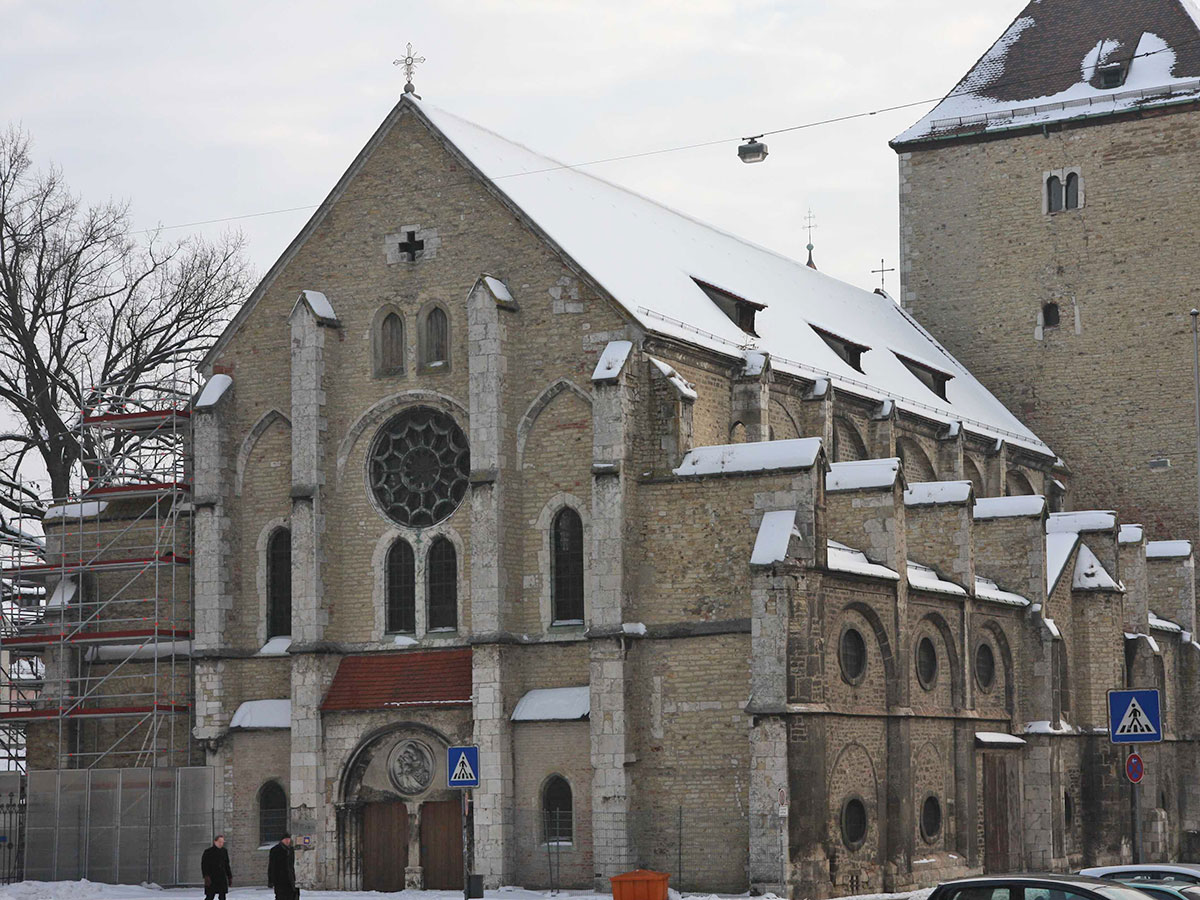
(1134, 717)
(462, 767)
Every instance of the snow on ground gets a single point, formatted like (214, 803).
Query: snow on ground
(89, 890)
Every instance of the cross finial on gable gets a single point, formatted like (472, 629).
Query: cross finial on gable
(882, 273)
(410, 61)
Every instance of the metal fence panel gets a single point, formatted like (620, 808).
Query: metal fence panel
(133, 855)
(104, 794)
(72, 825)
(163, 823)
(197, 823)
(41, 831)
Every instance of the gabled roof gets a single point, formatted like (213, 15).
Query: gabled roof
(650, 260)
(1046, 67)
(405, 679)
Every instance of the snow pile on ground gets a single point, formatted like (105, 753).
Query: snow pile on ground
(90, 890)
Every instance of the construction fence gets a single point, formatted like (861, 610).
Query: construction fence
(118, 826)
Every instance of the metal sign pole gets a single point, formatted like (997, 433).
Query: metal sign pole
(465, 796)
(1137, 818)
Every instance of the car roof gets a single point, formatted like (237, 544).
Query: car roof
(1025, 878)
(1192, 868)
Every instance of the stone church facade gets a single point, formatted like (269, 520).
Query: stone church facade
(687, 538)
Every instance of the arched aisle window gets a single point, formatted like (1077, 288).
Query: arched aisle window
(279, 583)
(401, 588)
(272, 813)
(557, 811)
(391, 345)
(435, 338)
(442, 585)
(566, 562)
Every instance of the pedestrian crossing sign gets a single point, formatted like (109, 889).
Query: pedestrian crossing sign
(462, 767)
(1134, 717)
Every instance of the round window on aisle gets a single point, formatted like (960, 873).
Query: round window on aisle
(927, 663)
(854, 823)
(985, 666)
(852, 655)
(931, 819)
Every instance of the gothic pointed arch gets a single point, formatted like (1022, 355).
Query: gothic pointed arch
(376, 414)
(539, 403)
(388, 342)
(915, 461)
(848, 443)
(250, 441)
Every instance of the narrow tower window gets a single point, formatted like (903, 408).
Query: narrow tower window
(442, 576)
(566, 560)
(1050, 314)
(401, 588)
(1054, 194)
(391, 345)
(435, 341)
(557, 810)
(279, 583)
(1071, 199)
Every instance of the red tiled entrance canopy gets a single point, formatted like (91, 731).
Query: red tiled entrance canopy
(393, 680)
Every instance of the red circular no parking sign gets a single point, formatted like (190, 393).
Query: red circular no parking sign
(1134, 768)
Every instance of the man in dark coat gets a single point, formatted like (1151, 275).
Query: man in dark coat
(281, 870)
(214, 866)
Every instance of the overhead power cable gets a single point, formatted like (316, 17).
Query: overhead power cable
(958, 90)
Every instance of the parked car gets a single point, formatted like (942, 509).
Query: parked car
(1166, 890)
(1189, 873)
(1036, 887)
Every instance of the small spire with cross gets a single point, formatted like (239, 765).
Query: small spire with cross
(882, 273)
(810, 222)
(410, 61)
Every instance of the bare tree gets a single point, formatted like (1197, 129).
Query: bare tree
(86, 310)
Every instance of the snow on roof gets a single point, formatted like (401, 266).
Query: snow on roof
(1058, 551)
(1075, 522)
(612, 360)
(843, 559)
(1161, 624)
(986, 589)
(276, 646)
(1090, 575)
(1131, 534)
(1168, 549)
(929, 492)
(85, 510)
(1044, 726)
(1052, 627)
(64, 592)
(648, 257)
(263, 714)
(1006, 507)
(756, 456)
(1046, 67)
(554, 704)
(774, 534)
(213, 391)
(862, 474)
(755, 362)
(998, 739)
(925, 578)
(1143, 637)
(318, 303)
(148, 650)
(683, 387)
(499, 289)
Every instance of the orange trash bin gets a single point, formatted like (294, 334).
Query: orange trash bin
(640, 884)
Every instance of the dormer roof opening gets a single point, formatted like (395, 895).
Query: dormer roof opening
(850, 352)
(1112, 75)
(739, 310)
(934, 379)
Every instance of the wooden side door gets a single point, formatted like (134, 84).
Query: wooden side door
(385, 846)
(995, 814)
(441, 845)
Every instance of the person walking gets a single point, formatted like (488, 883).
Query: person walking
(281, 870)
(214, 866)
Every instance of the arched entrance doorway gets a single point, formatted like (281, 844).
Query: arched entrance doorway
(398, 826)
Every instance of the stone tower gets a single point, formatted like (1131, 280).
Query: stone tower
(1048, 233)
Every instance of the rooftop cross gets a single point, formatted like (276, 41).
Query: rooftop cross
(882, 273)
(810, 222)
(410, 61)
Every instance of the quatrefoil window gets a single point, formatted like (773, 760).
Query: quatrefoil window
(419, 467)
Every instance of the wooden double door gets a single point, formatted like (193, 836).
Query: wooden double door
(385, 845)
(997, 852)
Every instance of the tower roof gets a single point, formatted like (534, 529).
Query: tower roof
(1072, 59)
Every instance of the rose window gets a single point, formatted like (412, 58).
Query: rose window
(419, 466)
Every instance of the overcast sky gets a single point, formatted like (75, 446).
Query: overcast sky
(206, 110)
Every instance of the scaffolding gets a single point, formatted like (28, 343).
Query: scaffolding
(96, 615)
